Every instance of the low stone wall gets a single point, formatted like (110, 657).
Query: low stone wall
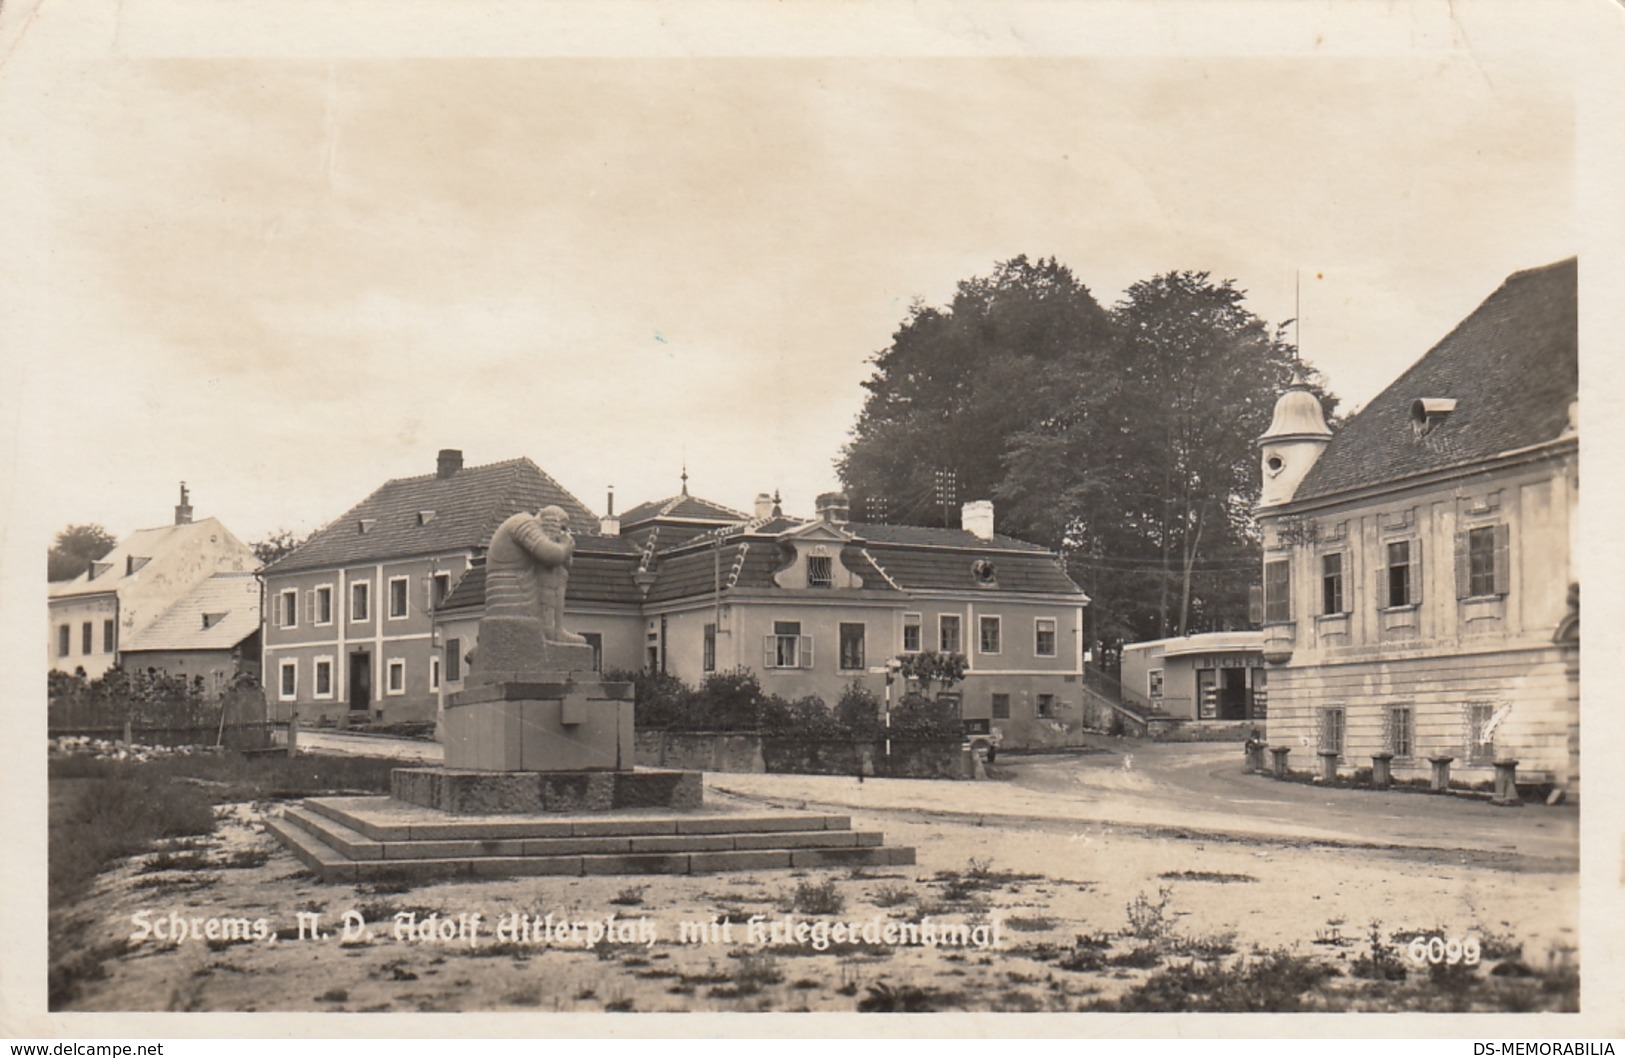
(732, 752)
(1171, 729)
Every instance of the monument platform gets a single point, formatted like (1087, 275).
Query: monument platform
(466, 792)
(353, 839)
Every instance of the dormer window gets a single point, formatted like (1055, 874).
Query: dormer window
(1428, 412)
(986, 576)
(212, 619)
(365, 525)
(425, 517)
(820, 571)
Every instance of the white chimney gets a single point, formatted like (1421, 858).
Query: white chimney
(833, 508)
(609, 524)
(764, 506)
(976, 518)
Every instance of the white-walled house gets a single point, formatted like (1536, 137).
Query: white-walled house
(1420, 591)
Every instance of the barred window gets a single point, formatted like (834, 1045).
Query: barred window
(1277, 591)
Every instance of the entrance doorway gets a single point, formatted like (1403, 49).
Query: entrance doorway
(1232, 694)
(360, 682)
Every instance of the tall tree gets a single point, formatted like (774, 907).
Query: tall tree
(956, 381)
(75, 548)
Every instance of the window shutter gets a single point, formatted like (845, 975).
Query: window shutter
(1255, 605)
(1503, 543)
(806, 652)
(1416, 572)
(310, 606)
(1464, 567)
(769, 643)
(1383, 583)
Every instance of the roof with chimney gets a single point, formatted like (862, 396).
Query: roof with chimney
(218, 614)
(124, 563)
(455, 509)
(1512, 370)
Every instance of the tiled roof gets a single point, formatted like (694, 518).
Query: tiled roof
(234, 597)
(1512, 367)
(139, 545)
(464, 510)
(682, 505)
(943, 570)
(594, 578)
(926, 536)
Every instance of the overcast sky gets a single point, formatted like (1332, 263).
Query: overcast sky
(287, 280)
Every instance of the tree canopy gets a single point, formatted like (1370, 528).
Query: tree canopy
(281, 542)
(1123, 438)
(75, 548)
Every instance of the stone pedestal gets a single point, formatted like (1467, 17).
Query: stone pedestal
(1328, 765)
(1441, 773)
(1382, 774)
(1506, 783)
(1279, 754)
(563, 721)
(462, 792)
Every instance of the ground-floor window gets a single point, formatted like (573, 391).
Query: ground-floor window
(64, 640)
(108, 639)
(1480, 722)
(1046, 705)
(1331, 730)
(852, 647)
(787, 648)
(395, 681)
(708, 653)
(288, 684)
(911, 633)
(1001, 707)
(454, 660)
(87, 639)
(1401, 731)
(324, 678)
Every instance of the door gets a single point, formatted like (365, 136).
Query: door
(1233, 694)
(360, 682)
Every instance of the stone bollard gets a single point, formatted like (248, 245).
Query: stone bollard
(1441, 773)
(1506, 784)
(1328, 765)
(1382, 775)
(1279, 753)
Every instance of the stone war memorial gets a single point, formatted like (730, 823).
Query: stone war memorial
(538, 775)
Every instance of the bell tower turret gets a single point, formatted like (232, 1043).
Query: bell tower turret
(1297, 435)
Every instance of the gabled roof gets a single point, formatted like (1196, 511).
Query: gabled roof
(922, 569)
(681, 507)
(114, 569)
(229, 601)
(928, 536)
(1512, 367)
(430, 514)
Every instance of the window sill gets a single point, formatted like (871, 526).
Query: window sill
(1332, 624)
(1396, 617)
(1483, 608)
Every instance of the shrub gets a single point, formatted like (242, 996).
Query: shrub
(817, 898)
(728, 701)
(917, 716)
(859, 712)
(804, 718)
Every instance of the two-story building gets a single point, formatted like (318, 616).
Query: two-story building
(1418, 565)
(93, 617)
(349, 615)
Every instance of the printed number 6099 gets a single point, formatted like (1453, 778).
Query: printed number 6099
(1436, 949)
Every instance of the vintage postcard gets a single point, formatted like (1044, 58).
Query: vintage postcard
(1057, 517)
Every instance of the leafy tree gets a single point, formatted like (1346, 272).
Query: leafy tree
(929, 668)
(76, 547)
(1125, 440)
(955, 381)
(279, 543)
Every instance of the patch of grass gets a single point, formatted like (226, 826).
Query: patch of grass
(753, 973)
(891, 895)
(631, 896)
(245, 858)
(1029, 924)
(68, 976)
(1143, 957)
(186, 883)
(1381, 960)
(882, 998)
(1277, 981)
(619, 1006)
(170, 860)
(1149, 919)
(817, 898)
(1206, 946)
(529, 996)
(334, 995)
(1221, 877)
(92, 822)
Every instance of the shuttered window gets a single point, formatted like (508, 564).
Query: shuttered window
(1402, 575)
(1277, 591)
(1482, 562)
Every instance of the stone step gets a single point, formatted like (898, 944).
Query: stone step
(356, 844)
(334, 863)
(382, 819)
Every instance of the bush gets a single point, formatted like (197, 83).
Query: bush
(917, 716)
(659, 700)
(728, 701)
(859, 712)
(804, 718)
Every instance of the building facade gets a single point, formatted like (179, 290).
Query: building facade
(92, 618)
(348, 617)
(812, 606)
(1211, 678)
(1418, 565)
(212, 635)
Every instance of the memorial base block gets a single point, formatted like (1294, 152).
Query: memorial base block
(463, 792)
(561, 722)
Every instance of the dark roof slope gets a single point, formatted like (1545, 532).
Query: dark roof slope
(684, 506)
(467, 508)
(1513, 369)
(920, 569)
(928, 536)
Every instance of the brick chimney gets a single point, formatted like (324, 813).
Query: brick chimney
(764, 506)
(183, 509)
(976, 518)
(834, 508)
(450, 462)
(609, 525)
